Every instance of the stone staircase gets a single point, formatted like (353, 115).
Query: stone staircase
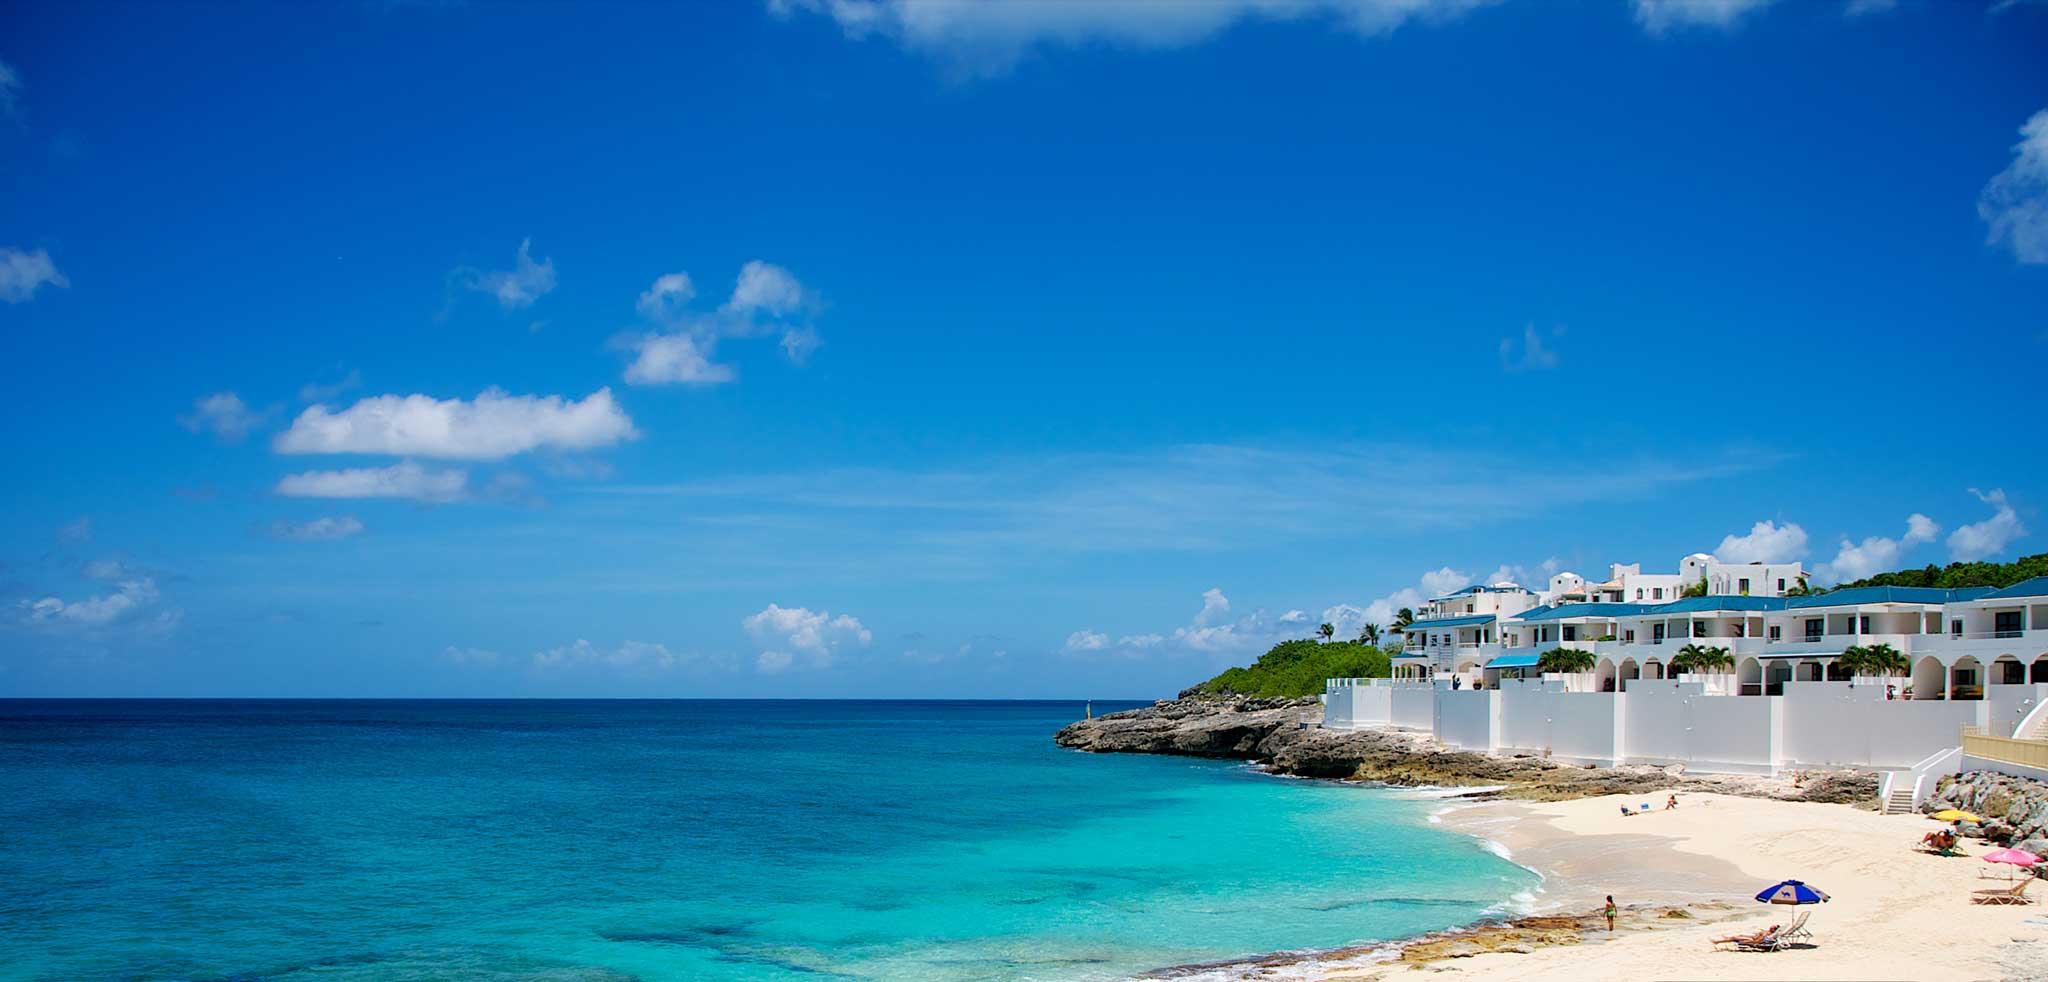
(1900, 801)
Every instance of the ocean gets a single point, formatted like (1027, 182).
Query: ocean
(603, 841)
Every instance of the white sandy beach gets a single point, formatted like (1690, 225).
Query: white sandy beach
(1895, 913)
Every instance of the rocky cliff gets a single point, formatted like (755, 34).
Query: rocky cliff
(2014, 809)
(1283, 735)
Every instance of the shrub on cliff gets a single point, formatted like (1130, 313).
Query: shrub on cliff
(1298, 668)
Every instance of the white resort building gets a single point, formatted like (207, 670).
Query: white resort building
(1976, 694)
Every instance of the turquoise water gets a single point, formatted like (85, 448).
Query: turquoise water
(604, 841)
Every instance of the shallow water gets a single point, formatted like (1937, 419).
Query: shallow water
(686, 840)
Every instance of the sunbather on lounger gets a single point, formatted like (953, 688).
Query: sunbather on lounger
(1753, 938)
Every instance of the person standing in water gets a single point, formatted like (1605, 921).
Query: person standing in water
(1610, 912)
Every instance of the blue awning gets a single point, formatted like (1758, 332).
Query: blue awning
(1515, 661)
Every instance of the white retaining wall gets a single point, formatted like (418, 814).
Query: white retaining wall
(1353, 706)
(1468, 719)
(1843, 724)
(1543, 718)
(1673, 722)
(1414, 706)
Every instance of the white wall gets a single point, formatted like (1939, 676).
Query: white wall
(1351, 706)
(1676, 722)
(1577, 726)
(1843, 725)
(1466, 719)
(1413, 707)
(2007, 704)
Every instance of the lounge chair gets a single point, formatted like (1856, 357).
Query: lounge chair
(2015, 894)
(1798, 931)
(1766, 936)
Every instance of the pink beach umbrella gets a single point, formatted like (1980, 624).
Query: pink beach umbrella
(2012, 857)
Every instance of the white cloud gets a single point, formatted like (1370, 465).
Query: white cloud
(104, 569)
(1859, 8)
(77, 531)
(1087, 641)
(683, 344)
(771, 662)
(1533, 357)
(642, 655)
(401, 480)
(324, 529)
(767, 289)
(470, 656)
(517, 287)
(2015, 202)
(1660, 16)
(129, 601)
(674, 358)
(1990, 536)
(1876, 554)
(990, 37)
(491, 427)
(1767, 542)
(21, 273)
(816, 634)
(223, 414)
(1213, 630)
(1433, 584)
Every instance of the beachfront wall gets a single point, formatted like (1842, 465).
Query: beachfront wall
(1842, 724)
(1414, 706)
(1468, 719)
(1356, 703)
(1543, 718)
(1673, 722)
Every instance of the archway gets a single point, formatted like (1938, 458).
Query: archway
(1836, 673)
(1929, 680)
(2039, 673)
(1808, 671)
(1750, 674)
(1628, 671)
(2006, 670)
(1966, 679)
(1654, 669)
(1603, 676)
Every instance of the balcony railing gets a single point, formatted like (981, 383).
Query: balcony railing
(2026, 753)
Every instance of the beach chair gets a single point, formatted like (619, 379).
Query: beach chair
(1797, 930)
(2015, 894)
(1766, 938)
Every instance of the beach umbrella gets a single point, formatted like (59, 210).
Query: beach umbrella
(1954, 815)
(2012, 857)
(1791, 892)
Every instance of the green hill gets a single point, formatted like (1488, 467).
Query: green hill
(1960, 574)
(1298, 668)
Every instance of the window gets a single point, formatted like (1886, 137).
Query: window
(1955, 627)
(1628, 637)
(1571, 632)
(1657, 633)
(1863, 624)
(1656, 593)
(1742, 586)
(1815, 627)
(1781, 584)
(2007, 624)
(1639, 593)
(1777, 632)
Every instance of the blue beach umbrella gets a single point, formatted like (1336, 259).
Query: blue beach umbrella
(1791, 892)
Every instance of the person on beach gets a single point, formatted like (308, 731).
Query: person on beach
(1670, 803)
(1610, 912)
(1748, 938)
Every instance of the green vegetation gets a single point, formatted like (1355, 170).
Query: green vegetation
(1701, 659)
(1569, 661)
(1874, 659)
(1956, 575)
(1298, 668)
(1698, 589)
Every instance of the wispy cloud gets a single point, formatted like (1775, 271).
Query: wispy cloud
(1214, 630)
(22, 273)
(2015, 202)
(405, 480)
(526, 282)
(224, 415)
(324, 529)
(783, 633)
(1659, 17)
(1766, 542)
(679, 344)
(10, 93)
(1979, 540)
(1531, 355)
(1876, 554)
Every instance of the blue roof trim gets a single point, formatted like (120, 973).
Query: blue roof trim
(1515, 661)
(1448, 622)
(2032, 587)
(1562, 611)
(1888, 595)
(1691, 605)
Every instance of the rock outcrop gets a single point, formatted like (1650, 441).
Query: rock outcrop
(2014, 809)
(1284, 735)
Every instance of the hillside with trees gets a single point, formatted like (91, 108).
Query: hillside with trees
(1956, 575)
(1298, 668)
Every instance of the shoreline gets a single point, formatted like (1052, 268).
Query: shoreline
(1682, 877)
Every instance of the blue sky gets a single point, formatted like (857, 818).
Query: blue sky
(1018, 350)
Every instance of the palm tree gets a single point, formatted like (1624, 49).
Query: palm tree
(1327, 631)
(1698, 658)
(1876, 659)
(1567, 661)
(1370, 634)
(1403, 618)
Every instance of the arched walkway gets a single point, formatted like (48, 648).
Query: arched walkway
(2007, 670)
(1929, 679)
(1808, 671)
(1836, 673)
(2039, 673)
(1628, 671)
(1603, 676)
(1654, 669)
(1966, 679)
(1750, 674)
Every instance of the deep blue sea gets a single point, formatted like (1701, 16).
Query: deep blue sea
(601, 841)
